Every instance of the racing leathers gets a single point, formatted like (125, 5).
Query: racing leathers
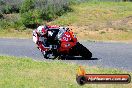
(40, 40)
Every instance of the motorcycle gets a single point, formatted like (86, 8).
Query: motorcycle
(64, 43)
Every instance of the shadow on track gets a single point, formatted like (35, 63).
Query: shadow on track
(77, 58)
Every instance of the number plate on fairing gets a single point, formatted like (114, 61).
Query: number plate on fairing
(66, 37)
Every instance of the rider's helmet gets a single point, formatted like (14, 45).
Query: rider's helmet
(42, 30)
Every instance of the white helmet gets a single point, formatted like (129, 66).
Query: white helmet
(41, 30)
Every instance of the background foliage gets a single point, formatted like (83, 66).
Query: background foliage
(22, 14)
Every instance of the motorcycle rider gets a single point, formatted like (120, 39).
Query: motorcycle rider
(43, 34)
(40, 37)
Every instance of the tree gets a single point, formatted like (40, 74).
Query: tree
(27, 5)
(30, 16)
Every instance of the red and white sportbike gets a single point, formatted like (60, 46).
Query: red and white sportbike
(64, 43)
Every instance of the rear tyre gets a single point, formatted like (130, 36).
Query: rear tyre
(83, 51)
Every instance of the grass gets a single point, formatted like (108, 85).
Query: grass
(27, 73)
(96, 16)
(104, 35)
(11, 33)
(91, 12)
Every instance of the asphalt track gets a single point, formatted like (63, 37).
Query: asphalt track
(107, 55)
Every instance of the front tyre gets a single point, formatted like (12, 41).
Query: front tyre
(45, 55)
(50, 54)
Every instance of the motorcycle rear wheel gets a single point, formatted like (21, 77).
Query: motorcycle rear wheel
(83, 51)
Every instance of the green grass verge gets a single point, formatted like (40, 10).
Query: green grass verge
(27, 73)
(11, 33)
(95, 12)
